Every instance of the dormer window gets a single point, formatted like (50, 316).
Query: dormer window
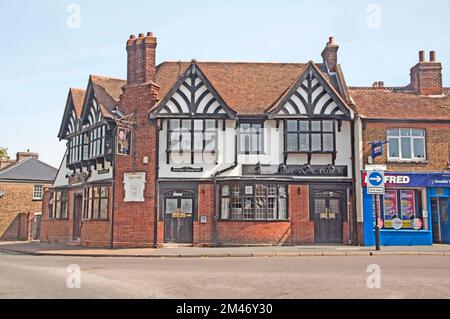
(251, 138)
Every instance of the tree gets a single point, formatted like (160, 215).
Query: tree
(3, 152)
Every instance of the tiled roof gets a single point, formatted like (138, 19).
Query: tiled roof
(78, 99)
(29, 169)
(391, 103)
(248, 88)
(107, 92)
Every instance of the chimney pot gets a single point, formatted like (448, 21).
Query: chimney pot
(141, 59)
(381, 84)
(132, 37)
(141, 35)
(421, 56)
(149, 34)
(331, 40)
(432, 56)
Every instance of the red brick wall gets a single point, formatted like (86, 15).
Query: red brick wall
(133, 221)
(302, 226)
(437, 137)
(56, 230)
(95, 233)
(204, 233)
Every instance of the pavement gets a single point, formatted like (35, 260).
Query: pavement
(45, 249)
(71, 277)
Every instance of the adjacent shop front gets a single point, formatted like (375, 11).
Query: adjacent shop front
(413, 210)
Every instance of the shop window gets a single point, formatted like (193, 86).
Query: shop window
(58, 205)
(401, 209)
(406, 144)
(253, 202)
(251, 138)
(96, 202)
(310, 136)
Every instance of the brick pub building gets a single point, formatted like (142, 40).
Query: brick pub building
(208, 154)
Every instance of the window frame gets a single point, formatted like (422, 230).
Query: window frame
(310, 132)
(58, 212)
(96, 141)
(240, 201)
(41, 192)
(91, 211)
(411, 138)
(251, 133)
(192, 131)
(75, 148)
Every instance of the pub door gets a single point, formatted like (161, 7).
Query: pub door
(178, 209)
(328, 217)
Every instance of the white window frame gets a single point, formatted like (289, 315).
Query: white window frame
(399, 137)
(38, 195)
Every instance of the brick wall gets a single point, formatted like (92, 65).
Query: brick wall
(56, 230)
(18, 198)
(134, 221)
(437, 137)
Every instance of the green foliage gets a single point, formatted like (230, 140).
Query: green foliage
(3, 152)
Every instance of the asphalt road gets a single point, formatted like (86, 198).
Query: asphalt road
(275, 277)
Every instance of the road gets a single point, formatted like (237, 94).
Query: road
(23, 276)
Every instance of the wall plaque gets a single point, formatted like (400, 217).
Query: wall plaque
(134, 187)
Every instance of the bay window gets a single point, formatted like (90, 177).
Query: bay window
(310, 136)
(253, 202)
(406, 144)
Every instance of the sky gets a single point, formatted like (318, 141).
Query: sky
(49, 46)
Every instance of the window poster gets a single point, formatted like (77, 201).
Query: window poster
(390, 207)
(408, 207)
(123, 141)
(377, 202)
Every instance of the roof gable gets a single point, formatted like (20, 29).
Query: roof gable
(29, 169)
(72, 112)
(311, 95)
(192, 95)
(102, 97)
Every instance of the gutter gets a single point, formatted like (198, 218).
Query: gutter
(113, 188)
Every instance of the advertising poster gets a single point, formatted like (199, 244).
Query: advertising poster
(377, 201)
(408, 207)
(390, 206)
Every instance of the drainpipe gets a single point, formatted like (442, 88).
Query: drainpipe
(155, 212)
(216, 213)
(353, 200)
(113, 164)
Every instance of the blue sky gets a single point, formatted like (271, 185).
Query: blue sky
(41, 56)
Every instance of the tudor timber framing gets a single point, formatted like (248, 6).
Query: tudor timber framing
(192, 104)
(307, 106)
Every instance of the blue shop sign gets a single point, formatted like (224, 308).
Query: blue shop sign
(393, 179)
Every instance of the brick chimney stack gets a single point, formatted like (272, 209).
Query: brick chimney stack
(20, 156)
(141, 58)
(329, 55)
(426, 76)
